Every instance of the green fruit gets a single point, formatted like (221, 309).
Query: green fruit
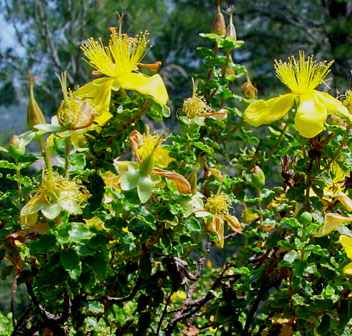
(305, 218)
(258, 177)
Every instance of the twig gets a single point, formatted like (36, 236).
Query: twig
(21, 320)
(199, 303)
(163, 314)
(118, 299)
(13, 299)
(46, 315)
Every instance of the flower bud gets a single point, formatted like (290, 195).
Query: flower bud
(34, 114)
(192, 179)
(249, 90)
(17, 147)
(231, 30)
(258, 177)
(229, 70)
(219, 26)
(147, 165)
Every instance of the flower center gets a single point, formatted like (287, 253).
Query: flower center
(120, 57)
(303, 75)
(218, 204)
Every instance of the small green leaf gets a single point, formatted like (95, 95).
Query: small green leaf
(290, 256)
(70, 261)
(204, 148)
(43, 245)
(79, 232)
(7, 165)
(98, 263)
(48, 127)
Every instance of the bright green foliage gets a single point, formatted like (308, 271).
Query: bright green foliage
(220, 230)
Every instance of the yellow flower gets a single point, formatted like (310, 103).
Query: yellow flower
(56, 194)
(333, 220)
(196, 109)
(119, 61)
(216, 211)
(74, 112)
(313, 107)
(148, 144)
(347, 245)
(143, 174)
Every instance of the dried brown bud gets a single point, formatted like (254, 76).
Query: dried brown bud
(219, 26)
(249, 90)
(231, 30)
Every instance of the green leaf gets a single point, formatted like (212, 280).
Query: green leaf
(48, 127)
(70, 261)
(7, 165)
(324, 326)
(79, 232)
(43, 245)
(290, 256)
(204, 147)
(206, 51)
(166, 111)
(98, 263)
(297, 299)
(77, 161)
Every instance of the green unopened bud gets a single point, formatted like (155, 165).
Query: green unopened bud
(258, 177)
(192, 179)
(147, 165)
(17, 147)
(249, 90)
(34, 113)
(219, 26)
(305, 218)
(229, 70)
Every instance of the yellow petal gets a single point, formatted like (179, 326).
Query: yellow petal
(345, 200)
(153, 86)
(267, 111)
(181, 183)
(332, 222)
(99, 91)
(217, 226)
(162, 158)
(348, 269)
(346, 242)
(233, 222)
(310, 117)
(333, 105)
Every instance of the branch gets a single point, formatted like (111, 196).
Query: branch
(118, 299)
(46, 315)
(199, 303)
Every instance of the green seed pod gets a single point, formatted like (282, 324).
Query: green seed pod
(34, 113)
(258, 177)
(305, 218)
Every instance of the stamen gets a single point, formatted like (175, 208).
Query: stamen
(302, 75)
